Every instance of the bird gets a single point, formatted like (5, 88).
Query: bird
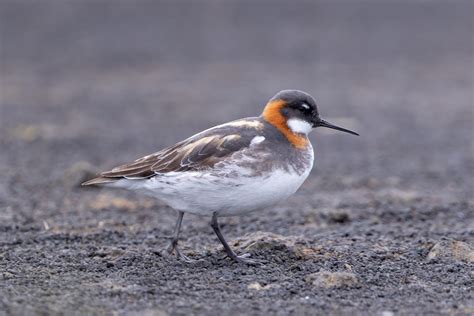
(231, 169)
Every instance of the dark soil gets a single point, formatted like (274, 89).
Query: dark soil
(384, 225)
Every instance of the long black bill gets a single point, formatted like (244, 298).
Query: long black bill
(323, 123)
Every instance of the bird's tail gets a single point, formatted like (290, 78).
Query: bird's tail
(99, 180)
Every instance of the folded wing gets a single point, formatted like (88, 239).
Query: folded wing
(197, 153)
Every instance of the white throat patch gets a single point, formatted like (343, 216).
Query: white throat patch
(299, 126)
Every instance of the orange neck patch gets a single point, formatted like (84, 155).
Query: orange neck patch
(272, 114)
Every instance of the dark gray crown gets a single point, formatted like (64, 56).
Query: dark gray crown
(295, 98)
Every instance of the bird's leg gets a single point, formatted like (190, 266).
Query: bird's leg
(173, 246)
(174, 241)
(228, 250)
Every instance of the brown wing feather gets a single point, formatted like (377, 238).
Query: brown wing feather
(192, 154)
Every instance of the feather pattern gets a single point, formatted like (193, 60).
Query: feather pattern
(199, 152)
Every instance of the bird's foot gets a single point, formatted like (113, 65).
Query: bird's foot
(173, 247)
(245, 259)
(181, 256)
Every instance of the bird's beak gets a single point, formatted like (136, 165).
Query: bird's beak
(322, 123)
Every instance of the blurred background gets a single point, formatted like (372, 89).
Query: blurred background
(87, 85)
(108, 81)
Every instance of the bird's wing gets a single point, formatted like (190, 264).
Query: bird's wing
(200, 152)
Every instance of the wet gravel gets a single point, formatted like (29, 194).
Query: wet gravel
(384, 225)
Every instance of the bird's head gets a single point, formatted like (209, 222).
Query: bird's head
(295, 113)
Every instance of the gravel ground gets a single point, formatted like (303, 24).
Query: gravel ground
(384, 225)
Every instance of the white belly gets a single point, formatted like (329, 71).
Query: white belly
(205, 193)
(227, 189)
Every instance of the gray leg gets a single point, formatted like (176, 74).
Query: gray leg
(228, 250)
(173, 246)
